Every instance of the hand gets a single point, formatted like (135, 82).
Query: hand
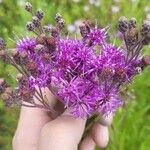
(37, 130)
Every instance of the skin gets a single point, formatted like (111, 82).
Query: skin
(37, 130)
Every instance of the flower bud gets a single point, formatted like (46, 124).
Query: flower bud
(32, 67)
(145, 30)
(107, 72)
(83, 30)
(16, 56)
(36, 21)
(132, 36)
(2, 44)
(30, 26)
(132, 23)
(146, 60)
(47, 28)
(4, 56)
(120, 72)
(61, 24)
(14, 53)
(5, 96)
(54, 32)
(40, 13)
(9, 90)
(26, 94)
(28, 7)
(41, 39)
(19, 76)
(58, 17)
(51, 42)
(23, 80)
(23, 55)
(123, 24)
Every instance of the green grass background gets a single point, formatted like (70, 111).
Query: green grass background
(131, 126)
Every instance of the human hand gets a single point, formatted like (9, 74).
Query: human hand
(37, 130)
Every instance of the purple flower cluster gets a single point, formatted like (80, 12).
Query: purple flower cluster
(26, 44)
(85, 74)
(87, 77)
(88, 80)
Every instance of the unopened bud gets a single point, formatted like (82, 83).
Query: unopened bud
(123, 24)
(146, 60)
(61, 24)
(4, 56)
(23, 80)
(41, 39)
(58, 17)
(83, 30)
(120, 72)
(40, 13)
(23, 54)
(28, 7)
(36, 21)
(145, 30)
(132, 23)
(9, 90)
(16, 56)
(32, 67)
(51, 42)
(30, 26)
(19, 76)
(14, 52)
(54, 32)
(8, 99)
(47, 28)
(5, 96)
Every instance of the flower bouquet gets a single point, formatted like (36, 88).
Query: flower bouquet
(86, 73)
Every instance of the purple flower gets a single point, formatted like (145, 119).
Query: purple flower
(85, 73)
(97, 36)
(112, 56)
(75, 58)
(77, 65)
(79, 95)
(26, 44)
(108, 102)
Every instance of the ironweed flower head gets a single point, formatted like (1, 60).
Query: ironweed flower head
(26, 44)
(97, 36)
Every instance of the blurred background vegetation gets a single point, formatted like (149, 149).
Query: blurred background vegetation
(131, 126)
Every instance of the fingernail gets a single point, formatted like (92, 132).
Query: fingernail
(106, 120)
